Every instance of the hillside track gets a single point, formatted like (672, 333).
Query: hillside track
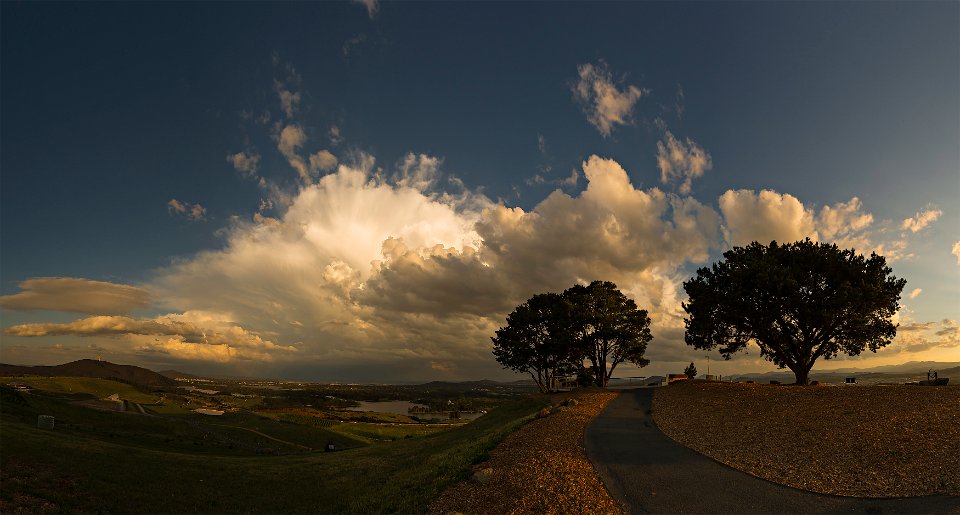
(258, 433)
(647, 472)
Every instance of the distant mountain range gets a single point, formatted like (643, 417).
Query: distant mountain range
(92, 368)
(910, 367)
(895, 373)
(910, 371)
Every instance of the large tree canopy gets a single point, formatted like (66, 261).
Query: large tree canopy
(551, 335)
(608, 328)
(798, 302)
(537, 340)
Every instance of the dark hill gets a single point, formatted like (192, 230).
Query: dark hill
(92, 368)
(462, 384)
(174, 374)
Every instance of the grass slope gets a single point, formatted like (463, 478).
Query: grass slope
(95, 387)
(94, 368)
(74, 470)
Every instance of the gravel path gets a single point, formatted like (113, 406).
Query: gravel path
(650, 473)
(541, 468)
(863, 441)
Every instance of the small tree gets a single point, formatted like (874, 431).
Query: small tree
(607, 327)
(586, 377)
(691, 371)
(536, 340)
(798, 302)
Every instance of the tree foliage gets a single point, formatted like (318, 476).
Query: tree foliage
(608, 328)
(536, 340)
(551, 335)
(798, 302)
(691, 371)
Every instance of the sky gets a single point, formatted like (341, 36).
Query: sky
(362, 191)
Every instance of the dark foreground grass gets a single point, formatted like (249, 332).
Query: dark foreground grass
(65, 471)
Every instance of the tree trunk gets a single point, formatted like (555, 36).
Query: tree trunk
(602, 367)
(802, 374)
(538, 379)
(595, 366)
(602, 374)
(610, 374)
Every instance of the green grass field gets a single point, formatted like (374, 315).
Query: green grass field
(386, 432)
(364, 431)
(104, 461)
(98, 388)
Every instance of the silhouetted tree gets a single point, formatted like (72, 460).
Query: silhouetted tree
(798, 302)
(537, 340)
(608, 328)
(691, 371)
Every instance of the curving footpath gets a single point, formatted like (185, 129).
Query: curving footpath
(647, 472)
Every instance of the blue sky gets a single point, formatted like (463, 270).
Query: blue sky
(259, 188)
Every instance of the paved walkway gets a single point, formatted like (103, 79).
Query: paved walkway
(647, 472)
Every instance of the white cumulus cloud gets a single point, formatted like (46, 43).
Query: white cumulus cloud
(246, 162)
(417, 171)
(842, 219)
(921, 220)
(375, 273)
(764, 217)
(368, 273)
(921, 336)
(681, 161)
(322, 161)
(289, 101)
(604, 104)
(193, 212)
(769, 215)
(849, 226)
(289, 141)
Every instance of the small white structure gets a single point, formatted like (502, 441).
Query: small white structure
(45, 422)
(205, 411)
(119, 404)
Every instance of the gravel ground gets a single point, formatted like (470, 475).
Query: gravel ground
(864, 441)
(540, 468)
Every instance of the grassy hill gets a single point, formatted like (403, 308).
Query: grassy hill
(93, 368)
(84, 387)
(122, 462)
(237, 433)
